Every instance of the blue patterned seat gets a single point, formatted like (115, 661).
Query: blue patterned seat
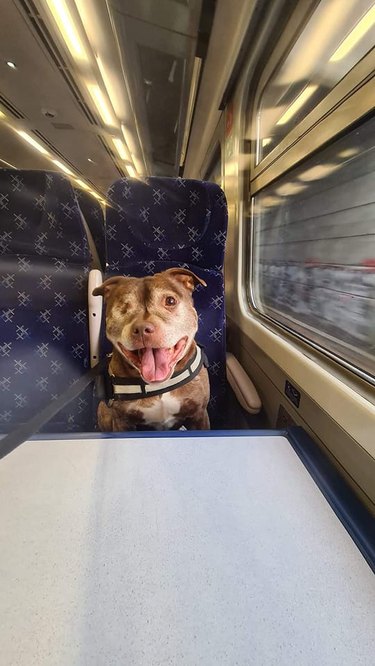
(93, 214)
(43, 299)
(160, 223)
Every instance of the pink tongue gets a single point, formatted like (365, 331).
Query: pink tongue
(155, 365)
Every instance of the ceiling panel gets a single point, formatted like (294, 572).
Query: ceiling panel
(158, 43)
(148, 46)
(36, 85)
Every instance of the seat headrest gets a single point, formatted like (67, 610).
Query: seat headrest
(166, 218)
(39, 215)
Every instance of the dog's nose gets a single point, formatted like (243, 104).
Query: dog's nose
(143, 329)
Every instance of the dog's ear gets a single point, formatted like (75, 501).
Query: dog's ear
(108, 285)
(186, 277)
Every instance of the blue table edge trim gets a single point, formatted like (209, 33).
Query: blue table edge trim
(352, 513)
(155, 434)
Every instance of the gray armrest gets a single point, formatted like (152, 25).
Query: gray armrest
(242, 386)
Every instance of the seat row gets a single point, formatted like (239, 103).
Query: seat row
(51, 236)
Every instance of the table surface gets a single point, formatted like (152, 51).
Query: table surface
(189, 551)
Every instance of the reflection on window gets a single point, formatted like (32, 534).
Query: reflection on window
(314, 248)
(337, 36)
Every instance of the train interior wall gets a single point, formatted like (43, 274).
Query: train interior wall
(338, 413)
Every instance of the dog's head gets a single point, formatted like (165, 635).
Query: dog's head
(151, 321)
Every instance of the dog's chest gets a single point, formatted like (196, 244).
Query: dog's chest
(162, 413)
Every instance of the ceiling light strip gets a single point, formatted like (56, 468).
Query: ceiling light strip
(8, 164)
(68, 30)
(101, 104)
(81, 184)
(121, 149)
(131, 171)
(129, 139)
(138, 164)
(97, 196)
(60, 165)
(26, 137)
(110, 86)
(63, 168)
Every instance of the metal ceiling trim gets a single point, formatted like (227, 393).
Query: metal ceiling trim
(16, 113)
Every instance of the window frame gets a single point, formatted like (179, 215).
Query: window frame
(346, 104)
(344, 107)
(215, 156)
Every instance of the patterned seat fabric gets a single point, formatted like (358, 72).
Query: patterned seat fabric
(93, 214)
(160, 223)
(43, 299)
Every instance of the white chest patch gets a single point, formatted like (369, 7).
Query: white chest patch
(163, 413)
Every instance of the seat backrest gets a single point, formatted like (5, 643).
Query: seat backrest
(43, 298)
(159, 223)
(94, 217)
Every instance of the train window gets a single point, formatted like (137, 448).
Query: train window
(335, 39)
(314, 248)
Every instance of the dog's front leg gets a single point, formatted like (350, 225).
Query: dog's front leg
(200, 421)
(112, 419)
(105, 417)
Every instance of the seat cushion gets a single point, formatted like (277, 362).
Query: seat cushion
(43, 338)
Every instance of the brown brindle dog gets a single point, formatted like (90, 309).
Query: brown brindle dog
(152, 323)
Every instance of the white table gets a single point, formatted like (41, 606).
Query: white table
(184, 551)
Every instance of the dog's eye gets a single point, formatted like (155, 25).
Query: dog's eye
(170, 300)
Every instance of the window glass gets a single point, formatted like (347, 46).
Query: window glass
(336, 37)
(314, 248)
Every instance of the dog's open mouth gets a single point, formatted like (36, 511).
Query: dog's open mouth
(155, 363)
